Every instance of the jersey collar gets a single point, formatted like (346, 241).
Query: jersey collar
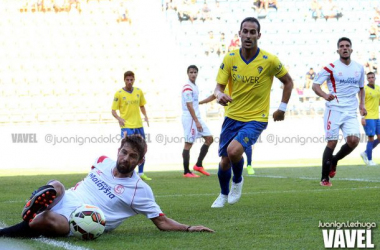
(253, 58)
(130, 92)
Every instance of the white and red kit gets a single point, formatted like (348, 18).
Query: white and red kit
(344, 82)
(118, 198)
(190, 93)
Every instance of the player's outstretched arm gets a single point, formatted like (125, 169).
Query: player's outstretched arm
(208, 99)
(279, 115)
(166, 224)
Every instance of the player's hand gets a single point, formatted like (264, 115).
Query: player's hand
(199, 126)
(121, 122)
(147, 120)
(200, 229)
(278, 115)
(329, 97)
(223, 99)
(362, 110)
(364, 121)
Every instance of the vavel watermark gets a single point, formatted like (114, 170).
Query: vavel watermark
(347, 234)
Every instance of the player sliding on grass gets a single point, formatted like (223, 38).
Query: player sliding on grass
(112, 186)
(193, 125)
(249, 71)
(345, 79)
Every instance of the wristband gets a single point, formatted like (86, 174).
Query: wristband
(283, 106)
(187, 229)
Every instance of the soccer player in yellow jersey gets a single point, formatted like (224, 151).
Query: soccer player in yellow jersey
(130, 101)
(371, 122)
(250, 72)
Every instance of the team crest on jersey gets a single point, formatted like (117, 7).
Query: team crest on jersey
(119, 189)
(116, 99)
(260, 69)
(234, 68)
(265, 57)
(123, 97)
(356, 73)
(222, 66)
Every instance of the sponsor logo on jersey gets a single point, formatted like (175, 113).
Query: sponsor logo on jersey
(232, 54)
(265, 57)
(102, 186)
(246, 79)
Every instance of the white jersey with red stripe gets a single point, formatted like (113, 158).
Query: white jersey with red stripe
(118, 198)
(190, 93)
(344, 82)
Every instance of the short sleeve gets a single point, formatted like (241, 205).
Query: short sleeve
(142, 99)
(187, 94)
(224, 70)
(321, 77)
(278, 68)
(116, 101)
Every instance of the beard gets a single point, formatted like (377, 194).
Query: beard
(122, 169)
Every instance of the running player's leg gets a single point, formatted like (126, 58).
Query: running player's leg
(351, 133)
(248, 153)
(140, 131)
(206, 134)
(331, 126)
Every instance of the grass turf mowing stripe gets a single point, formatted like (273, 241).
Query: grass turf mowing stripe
(61, 244)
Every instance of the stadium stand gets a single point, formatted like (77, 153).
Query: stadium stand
(64, 63)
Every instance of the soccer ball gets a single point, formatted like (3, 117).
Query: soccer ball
(87, 222)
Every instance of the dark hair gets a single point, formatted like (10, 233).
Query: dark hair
(343, 39)
(192, 67)
(370, 73)
(129, 73)
(137, 142)
(252, 20)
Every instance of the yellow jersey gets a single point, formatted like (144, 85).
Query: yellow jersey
(372, 100)
(251, 83)
(129, 103)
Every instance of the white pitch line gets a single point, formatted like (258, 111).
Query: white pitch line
(52, 242)
(313, 178)
(61, 244)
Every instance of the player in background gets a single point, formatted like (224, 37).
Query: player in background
(345, 79)
(130, 101)
(371, 122)
(193, 125)
(248, 150)
(113, 186)
(250, 72)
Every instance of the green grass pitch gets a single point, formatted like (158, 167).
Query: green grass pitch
(280, 209)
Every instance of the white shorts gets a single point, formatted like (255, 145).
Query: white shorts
(346, 121)
(190, 129)
(67, 205)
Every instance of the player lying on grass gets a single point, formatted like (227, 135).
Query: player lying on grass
(112, 186)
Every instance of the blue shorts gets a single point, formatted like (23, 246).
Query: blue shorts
(372, 127)
(133, 131)
(246, 133)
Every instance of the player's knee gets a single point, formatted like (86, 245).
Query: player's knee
(209, 140)
(332, 144)
(233, 154)
(58, 186)
(352, 141)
